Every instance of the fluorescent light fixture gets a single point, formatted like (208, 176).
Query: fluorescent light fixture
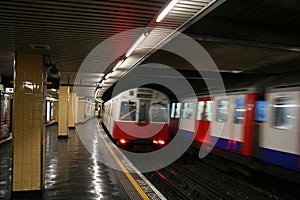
(136, 44)
(118, 65)
(96, 95)
(99, 85)
(108, 75)
(231, 71)
(166, 10)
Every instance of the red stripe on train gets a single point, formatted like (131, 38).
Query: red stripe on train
(133, 131)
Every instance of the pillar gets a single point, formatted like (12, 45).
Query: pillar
(63, 106)
(71, 111)
(28, 124)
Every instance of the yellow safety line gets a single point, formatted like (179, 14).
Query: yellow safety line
(6, 139)
(131, 179)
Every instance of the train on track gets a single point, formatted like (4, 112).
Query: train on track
(139, 115)
(256, 124)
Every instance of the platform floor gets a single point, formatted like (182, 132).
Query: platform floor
(73, 171)
(5, 169)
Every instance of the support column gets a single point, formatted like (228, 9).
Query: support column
(71, 111)
(63, 106)
(28, 124)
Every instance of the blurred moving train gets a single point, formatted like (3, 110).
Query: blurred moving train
(138, 115)
(259, 124)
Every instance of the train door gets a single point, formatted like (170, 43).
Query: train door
(174, 118)
(110, 118)
(144, 106)
(280, 137)
(187, 120)
(203, 118)
(259, 117)
(237, 122)
(220, 129)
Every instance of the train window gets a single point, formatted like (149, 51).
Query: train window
(239, 111)
(260, 111)
(159, 113)
(177, 111)
(187, 111)
(128, 111)
(222, 110)
(283, 113)
(144, 111)
(200, 111)
(173, 110)
(208, 111)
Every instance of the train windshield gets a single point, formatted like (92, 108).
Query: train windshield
(159, 113)
(144, 111)
(128, 111)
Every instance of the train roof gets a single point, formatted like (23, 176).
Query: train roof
(248, 84)
(285, 82)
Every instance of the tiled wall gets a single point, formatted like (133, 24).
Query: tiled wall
(63, 104)
(80, 111)
(28, 122)
(56, 111)
(71, 111)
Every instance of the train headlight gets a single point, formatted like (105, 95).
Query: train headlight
(161, 142)
(122, 141)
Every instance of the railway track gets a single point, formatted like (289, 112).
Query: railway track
(194, 179)
(202, 188)
(174, 189)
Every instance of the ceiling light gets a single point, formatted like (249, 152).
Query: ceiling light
(136, 44)
(40, 46)
(166, 10)
(107, 76)
(96, 94)
(230, 71)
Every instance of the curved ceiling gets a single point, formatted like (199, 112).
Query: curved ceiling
(258, 36)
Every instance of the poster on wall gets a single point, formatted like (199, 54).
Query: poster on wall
(51, 110)
(88, 109)
(48, 107)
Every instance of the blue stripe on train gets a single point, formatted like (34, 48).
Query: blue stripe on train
(186, 134)
(282, 159)
(227, 144)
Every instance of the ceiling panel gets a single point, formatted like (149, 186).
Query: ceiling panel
(73, 28)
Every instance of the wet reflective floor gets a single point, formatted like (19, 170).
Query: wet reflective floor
(71, 172)
(5, 169)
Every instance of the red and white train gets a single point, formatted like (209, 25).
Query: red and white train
(256, 124)
(139, 114)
